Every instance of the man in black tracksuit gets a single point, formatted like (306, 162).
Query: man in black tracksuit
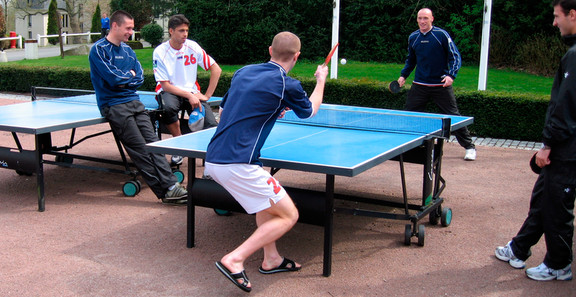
(552, 204)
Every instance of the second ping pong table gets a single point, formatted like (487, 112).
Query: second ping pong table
(63, 109)
(339, 140)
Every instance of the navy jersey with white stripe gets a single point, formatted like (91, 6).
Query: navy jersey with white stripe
(434, 54)
(257, 95)
(110, 67)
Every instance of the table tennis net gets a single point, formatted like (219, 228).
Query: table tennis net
(374, 121)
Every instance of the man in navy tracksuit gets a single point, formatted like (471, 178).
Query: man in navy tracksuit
(116, 74)
(438, 60)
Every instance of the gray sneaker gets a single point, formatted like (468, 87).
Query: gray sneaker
(505, 254)
(176, 160)
(178, 195)
(544, 273)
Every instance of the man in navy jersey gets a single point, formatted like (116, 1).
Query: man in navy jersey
(436, 58)
(116, 74)
(258, 95)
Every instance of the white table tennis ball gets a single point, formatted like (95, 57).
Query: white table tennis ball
(343, 61)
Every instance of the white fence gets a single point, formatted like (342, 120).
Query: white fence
(43, 39)
(19, 38)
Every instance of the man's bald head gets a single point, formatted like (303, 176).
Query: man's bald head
(285, 46)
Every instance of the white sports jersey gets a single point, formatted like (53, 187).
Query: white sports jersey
(180, 67)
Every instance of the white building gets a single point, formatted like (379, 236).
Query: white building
(34, 20)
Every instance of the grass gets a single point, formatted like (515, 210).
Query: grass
(499, 80)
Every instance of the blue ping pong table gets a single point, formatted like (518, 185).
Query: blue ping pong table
(335, 145)
(57, 113)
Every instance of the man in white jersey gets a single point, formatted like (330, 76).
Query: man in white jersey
(176, 63)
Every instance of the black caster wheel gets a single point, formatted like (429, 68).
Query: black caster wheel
(434, 216)
(20, 172)
(179, 175)
(131, 188)
(421, 234)
(446, 217)
(222, 212)
(407, 234)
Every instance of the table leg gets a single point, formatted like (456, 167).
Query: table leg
(428, 173)
(328, 225)
(39, 171)
(191, 215)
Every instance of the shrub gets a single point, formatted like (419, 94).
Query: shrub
(153, 33)
(135, 44)
(498, 115)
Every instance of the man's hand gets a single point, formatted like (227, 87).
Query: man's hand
(194, 101)
(321, 73)
(201, 97)
(401, 81)
(447, 81)
(542, 157)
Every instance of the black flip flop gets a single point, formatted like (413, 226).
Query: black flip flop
(234, 277)
(286, 266)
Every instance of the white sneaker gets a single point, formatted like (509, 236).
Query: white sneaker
(505, 254)
(544, 273)
(470, 154)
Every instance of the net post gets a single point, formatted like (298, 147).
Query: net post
(446, 124)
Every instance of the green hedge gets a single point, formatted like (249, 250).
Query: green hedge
(496, 115)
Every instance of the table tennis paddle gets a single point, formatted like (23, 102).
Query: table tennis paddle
(329, 57)
(394, 87)
(535, 168)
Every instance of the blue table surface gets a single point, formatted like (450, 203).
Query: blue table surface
(42, 116)
(318, 149)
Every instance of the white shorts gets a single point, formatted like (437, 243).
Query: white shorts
(251, 185)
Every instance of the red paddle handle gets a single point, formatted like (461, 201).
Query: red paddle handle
(330, 54)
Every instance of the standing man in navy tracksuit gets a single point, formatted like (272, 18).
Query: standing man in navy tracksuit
(433, 53)
(116, 74)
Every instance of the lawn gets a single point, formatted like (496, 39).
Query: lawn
(500, 80)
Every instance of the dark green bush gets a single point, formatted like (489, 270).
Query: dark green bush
(135, 44)
(153, 33)
(497, 115)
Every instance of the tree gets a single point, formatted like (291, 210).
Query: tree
(96, 24)
(141, 10)
(74, 10)
(240, 31)
(28, 7)
(53, 19)
(2, 24)
(153, 33)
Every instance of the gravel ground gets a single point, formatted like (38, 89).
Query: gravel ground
(93, 241)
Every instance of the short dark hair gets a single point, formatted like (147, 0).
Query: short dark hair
(566, 5)
(119, 16)
(177, 20)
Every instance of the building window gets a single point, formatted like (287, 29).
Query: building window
(29, 34)
(29, 20)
